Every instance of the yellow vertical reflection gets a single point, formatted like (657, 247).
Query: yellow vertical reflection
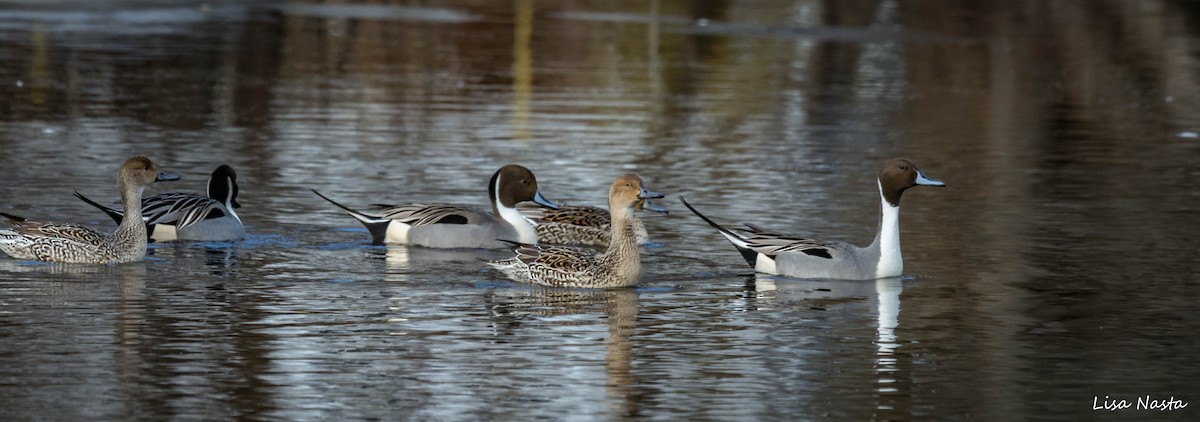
(522, 69)
(652, 34)
(656, 127)
(39, 64)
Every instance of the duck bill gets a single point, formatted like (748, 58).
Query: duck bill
(650, 206)
(645, 194)
(925, 181)
(541, 200)
(166, 177)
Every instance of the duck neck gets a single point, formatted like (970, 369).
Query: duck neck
(622, 246)
(221, 189)
(232, 212)
(131, 233)
(887, 240)
(520, 224)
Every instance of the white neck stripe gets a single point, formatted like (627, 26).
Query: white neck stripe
(891, 263)
(524, 227)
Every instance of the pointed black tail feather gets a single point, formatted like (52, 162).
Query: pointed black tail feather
(719, 228)
(377, 226)
(117, 216)
(738, 241)
(513, 243)
(13, 217)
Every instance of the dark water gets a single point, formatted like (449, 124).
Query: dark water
(1058, 267)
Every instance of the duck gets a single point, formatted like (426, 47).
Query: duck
(459, 226)
(564, 266)
(582, 224)
(190, 216)
(776, 253)
(22, 238)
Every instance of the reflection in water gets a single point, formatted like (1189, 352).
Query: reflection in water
(522, 69)
(73, 278)
(222, 260)
(620, 311)
(397, 260)
(614, 309)
(888, 299)
(388, 12)
(888, 385)
(39, 75)
(879, 297)
(95, 312)
(406, 262)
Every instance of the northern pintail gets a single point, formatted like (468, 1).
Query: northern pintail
(563, 266)
(776, 253)
(581, 224)
(57, 242)
(190, 216)
(459, 226)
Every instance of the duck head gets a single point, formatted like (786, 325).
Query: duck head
(898, 175)
(140, 171)
(629, 192)
(512, 184)
(222, 186)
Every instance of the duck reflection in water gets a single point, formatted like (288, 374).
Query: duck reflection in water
(618, 309)
(766, 291)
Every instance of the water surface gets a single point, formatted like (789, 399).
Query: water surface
(1058, 267)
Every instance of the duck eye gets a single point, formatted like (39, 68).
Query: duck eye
(903, 167)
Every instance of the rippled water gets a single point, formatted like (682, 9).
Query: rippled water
(1058, 267)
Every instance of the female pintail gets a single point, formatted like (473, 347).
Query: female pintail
(581, 224)
(189, 216)
(562, 266)
(56, 242)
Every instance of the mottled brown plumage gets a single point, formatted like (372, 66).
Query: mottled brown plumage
(561, 266)
(210, 217)
(580, 224)
(59, 242)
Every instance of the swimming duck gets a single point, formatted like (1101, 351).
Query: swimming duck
(563, 266)
(459, 226)
(777, 253)
(58, 242)
(189, 216)
(581, 224)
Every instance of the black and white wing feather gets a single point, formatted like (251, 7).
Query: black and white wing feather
(180, 209)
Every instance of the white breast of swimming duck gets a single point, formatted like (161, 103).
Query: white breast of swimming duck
(765, 264)
(891, 263)
(523, 226)
(397, 232)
